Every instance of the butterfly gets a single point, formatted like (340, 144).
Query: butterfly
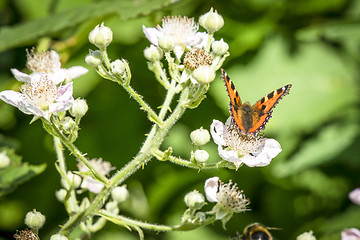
(252, 118)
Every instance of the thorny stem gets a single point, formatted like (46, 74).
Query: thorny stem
(153, 141)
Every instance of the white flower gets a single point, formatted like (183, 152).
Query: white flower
(228, 197)
(49, 63)
(89, 183)
(40, 96)
(355, 196)
(235, 147)
(306, 236)
(350, 234)
(183, 30)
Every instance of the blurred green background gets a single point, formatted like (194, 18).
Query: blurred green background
(312, 44)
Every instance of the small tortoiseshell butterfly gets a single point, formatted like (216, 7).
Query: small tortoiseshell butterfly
(252, 119)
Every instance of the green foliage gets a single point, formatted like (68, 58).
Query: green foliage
(17, 172)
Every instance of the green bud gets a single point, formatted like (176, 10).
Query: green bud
(79, 108)
(4, 160)
(118, 67)
(200, 136)
(153, 53)
(34, 220)
(58, 237)
(194, 200)
(201, 156)
(120, 194)
(211, 21)
(112, 207)
(220, 47)
(68, 125)
(94, 58)
(74, 180)
(101, 36)
(166, 42)
(61, 194)
(204, 74)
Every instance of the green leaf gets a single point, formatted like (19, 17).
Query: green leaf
(330, 141)
(17, 172)
(29, 32)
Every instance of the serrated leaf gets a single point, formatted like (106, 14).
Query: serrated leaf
(17, 172)
(29, 32)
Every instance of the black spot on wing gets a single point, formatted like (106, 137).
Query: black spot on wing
(232, 85)
(270, 95)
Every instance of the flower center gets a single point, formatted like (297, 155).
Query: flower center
(197, 57)
(240, 142)
(231, 198)
(41, 62)
(180, 28)
(41, 90)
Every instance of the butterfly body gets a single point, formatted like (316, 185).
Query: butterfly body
(252, 118)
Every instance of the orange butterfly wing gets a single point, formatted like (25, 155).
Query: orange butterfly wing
(235, 101)
(262, 110)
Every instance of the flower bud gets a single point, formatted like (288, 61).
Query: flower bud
(118, 67)
(211, 21)
(74, 180)
(58, 237)
(34, 220)
(201, 156)
(166, 42)
(94, 58)
(61, 194)
(79, 108)
(68, 125)
(101, 36)
(220, 47)
(306, 236)
(194, 200)
(112, 207)
(153, 53)
(204, 74)
(200, 136)
(120, 194)
(4, 160)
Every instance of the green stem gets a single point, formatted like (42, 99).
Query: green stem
(209, 42)
(124, 221)
(76, 152)
(143, 104)
(183, 162)
(154, 140)
(60, 154)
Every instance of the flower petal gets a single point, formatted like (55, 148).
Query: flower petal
(350, 234)
(268, 151)
(20, 76)
(152, 34)
(217, 129)
(355, 196)
(64, 100)
(211, 187)
(92, 185)
(21, 102)
(55, 60)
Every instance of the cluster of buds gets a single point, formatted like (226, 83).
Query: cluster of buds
(199, 138)
(118, 71)
(197, 54)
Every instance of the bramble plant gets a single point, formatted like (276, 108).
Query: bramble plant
(184, 61)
